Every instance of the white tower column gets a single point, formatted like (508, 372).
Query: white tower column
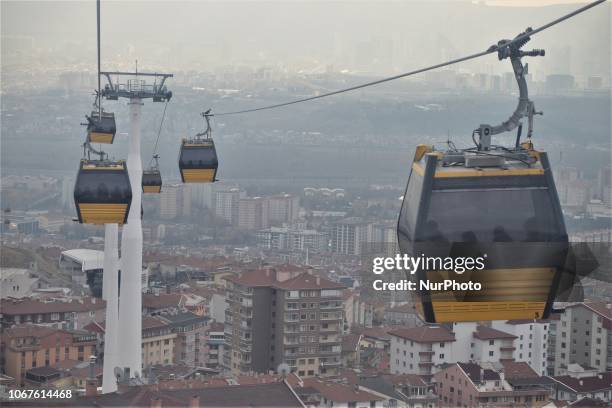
(110, 293)
(130, 304)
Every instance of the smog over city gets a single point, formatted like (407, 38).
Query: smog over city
(237, 178)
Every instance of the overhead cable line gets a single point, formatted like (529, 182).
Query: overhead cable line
(494, 48)
(161, 123)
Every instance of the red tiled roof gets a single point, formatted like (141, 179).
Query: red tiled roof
(409, 379)
(425, 334)
(148, 322)
(259, 277)
(163, 300)
(602, 381)
(477, 374)
(307, 281)
(34, 306)
(526, 321)
(339, 392)
(518, 369)
(488, 333)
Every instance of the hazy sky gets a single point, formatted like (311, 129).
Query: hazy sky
(370, 36)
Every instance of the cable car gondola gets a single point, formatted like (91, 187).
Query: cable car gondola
(151, 178)
(101, 127)
(492, 202)
(198, 161)
(102, 192)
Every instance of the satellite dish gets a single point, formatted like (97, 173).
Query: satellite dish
(283, 369)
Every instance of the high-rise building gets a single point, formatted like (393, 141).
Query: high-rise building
(349, 236)
(296, 321)
(227, 203)
(253, 213)
(175, 201)
(283, 208)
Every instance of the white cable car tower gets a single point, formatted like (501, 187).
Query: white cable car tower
(123, 331)
(127, 350)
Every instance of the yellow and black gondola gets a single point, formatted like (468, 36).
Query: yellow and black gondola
(101, 127)
(102, 192)
(151, 181)
(198, 161)
(495, 204)
(508, 214)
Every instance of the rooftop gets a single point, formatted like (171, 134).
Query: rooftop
(488, 333)
(88, 258)
(425, 334)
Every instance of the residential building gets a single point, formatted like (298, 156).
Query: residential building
(530, 343)
(404, 390)
(253, 213)
(292, 239)
(190, 346)
(331, 394)
(473, 385)
(29, 346)
(158, 340)
(283, 209)
(273, 318)
(349, 236)
(584, 336)
(63, 313)
(421, 350)
(215, 339)
(568, 388)
(174, 201)
(227, 203)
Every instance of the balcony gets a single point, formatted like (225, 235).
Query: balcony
(330, 363)
(331, 316)
(334, 339)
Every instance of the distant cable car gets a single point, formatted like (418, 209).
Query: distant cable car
(198, 161)
(490, 202)
(102, 192)
(101, 127)
(151, 178)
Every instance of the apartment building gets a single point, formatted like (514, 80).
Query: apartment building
(227, 204)
(215, 340)
(273, 318)
(419, 350)
(424, 350)
(29, 346)
(175, 201)
(158, 340)
(190, 346)
(584, 336)
(349, 236)
(59, 313)
(530, 343)
(283, 209)
(473, 385)
(292, 239)
(253, 213)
